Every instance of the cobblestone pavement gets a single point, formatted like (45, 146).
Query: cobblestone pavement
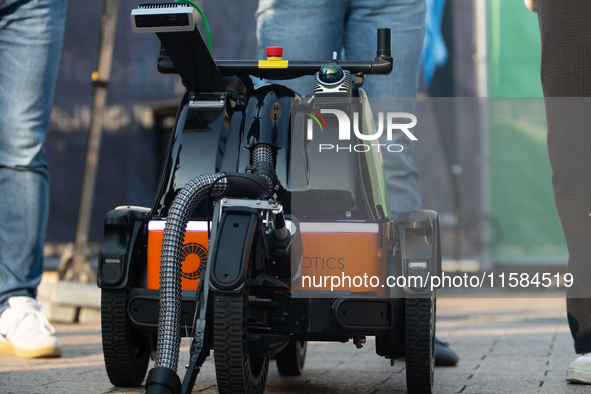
(508, 345)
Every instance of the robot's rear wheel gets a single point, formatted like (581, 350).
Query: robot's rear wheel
(290, 361)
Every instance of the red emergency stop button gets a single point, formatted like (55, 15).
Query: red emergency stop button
(276, 52)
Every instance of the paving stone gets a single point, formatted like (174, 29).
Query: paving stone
(513, 350)
(528, 387)
(510, 366)
(560, 385)
(564, 350)
(447, 376)
(559, 364)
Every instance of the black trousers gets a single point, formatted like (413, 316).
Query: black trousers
(565, 27)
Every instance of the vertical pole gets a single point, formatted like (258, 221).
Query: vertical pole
(79, 267)
(481, 8)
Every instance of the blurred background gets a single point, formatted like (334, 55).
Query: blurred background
(481, 152)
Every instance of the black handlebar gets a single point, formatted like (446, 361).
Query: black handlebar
(200, 73)
(297, 68)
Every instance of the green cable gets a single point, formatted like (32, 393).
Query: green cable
(204, 20)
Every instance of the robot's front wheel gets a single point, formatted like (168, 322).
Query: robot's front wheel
(420, 344)
(126, 364)
(236, 371)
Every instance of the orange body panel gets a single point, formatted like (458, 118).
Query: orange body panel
(193, 257)
(352, 257)
(326, 253)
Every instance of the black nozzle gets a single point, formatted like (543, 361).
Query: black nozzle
(384, 43)
(162, 380)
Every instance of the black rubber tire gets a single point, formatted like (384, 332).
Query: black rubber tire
(126, 365)
(236, 372)
(420, 344)
(290, 361)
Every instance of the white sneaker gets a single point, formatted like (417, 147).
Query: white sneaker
(25, 332)
(579, 371)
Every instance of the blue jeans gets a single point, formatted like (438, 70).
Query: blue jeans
(31, 34)
(314, 29)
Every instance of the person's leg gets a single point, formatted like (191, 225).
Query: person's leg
(566, 60)
(569, 148)
(31, 35)
(306, 30)
(395, 92)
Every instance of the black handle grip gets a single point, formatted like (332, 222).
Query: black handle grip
(384, 43)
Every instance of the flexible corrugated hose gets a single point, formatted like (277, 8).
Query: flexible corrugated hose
(169, 331)
(169, 334)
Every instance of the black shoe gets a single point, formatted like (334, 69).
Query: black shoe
(444, 355)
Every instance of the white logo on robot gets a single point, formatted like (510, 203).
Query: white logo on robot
(345, 131)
